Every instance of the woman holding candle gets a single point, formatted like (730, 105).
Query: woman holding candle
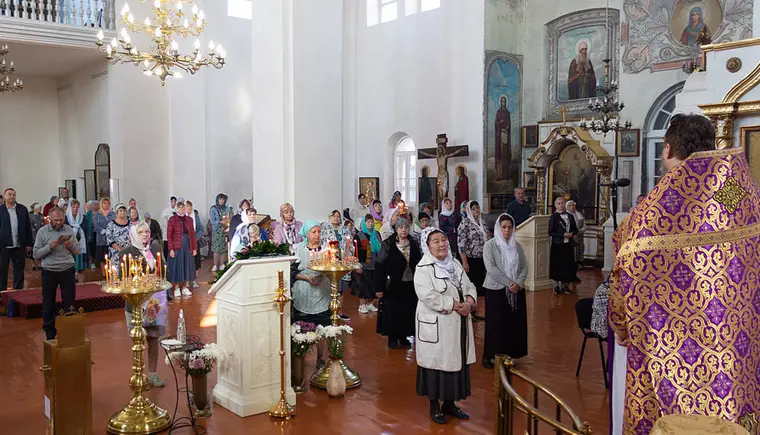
(143, 257)
(182, 248)
(311, 290)
(395, 265)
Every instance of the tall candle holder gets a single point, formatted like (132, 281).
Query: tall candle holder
(334, 263)
(135, 283)
(282, 409)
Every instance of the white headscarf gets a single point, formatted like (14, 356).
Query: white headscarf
(447, 264)
(134, 239)
(388, 216)
(508, 248)
(576, 214)
(478, 222)
(76, 224)
(445, 211)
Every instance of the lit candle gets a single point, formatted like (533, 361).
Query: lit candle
(164, 275)
(158, 265)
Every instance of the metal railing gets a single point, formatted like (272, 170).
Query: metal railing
(509, 403)
(81, 13)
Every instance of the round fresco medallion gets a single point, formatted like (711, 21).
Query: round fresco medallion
(734, 64)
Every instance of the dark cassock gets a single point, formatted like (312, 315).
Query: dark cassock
(503, 145)
(462, 188)
(581, 79)
(426, 189)
(394, 277)
(562, 267)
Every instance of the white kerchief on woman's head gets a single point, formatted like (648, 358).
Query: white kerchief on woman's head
(508, 248)
(447, 263)
(478, 222)
(445, 211)
(134, 239)
(390, 214)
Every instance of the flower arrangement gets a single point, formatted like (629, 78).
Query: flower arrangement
(261, 249)
(333, 334)
(198, 362)
(303, 336)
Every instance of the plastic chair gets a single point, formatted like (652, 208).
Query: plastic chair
(583, 311)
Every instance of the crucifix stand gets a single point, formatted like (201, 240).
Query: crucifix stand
(442, 153)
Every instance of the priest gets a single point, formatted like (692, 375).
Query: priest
(685, 289)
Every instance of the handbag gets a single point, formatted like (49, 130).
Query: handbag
(156, 310)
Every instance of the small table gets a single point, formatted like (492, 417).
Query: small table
(171, 345)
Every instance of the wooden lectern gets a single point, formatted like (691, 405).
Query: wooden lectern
(68, 383)
(533, 235)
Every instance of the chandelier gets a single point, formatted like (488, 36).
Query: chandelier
(607, 107)
(6, 70)
(164, 58)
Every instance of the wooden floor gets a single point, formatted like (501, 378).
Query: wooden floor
(385, 404)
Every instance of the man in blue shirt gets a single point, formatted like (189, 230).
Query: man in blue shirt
(519, 209)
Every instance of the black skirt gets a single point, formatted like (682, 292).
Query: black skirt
(440, 385)
(395, 317)
(322, 318)
(477, 273)
(562, 267)
(363, 284)
(506, 325)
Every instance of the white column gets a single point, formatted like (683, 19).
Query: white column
(187, 102)
(272, 109)
(297, 115)
(351, 14)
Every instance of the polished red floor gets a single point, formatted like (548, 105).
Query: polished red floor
(385, 404)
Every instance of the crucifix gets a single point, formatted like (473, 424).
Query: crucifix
(442, 153)
(564, 115)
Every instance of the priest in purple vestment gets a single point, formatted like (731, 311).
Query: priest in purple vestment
(685, 288)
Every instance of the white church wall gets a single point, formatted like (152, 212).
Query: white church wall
(228, 108)
(83, 114)
(318, 107)
(421, 75)
(30, 157)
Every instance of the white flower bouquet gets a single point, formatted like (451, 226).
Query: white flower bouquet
(303, 335)
(198, 362)
(333, 334)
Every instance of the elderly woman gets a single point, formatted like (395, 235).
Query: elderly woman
(182, 248)
(562, 229)
(100, 221)
(471, 238)
(75, 219)
(117, 233)
(155, 326)
(311, 290)
(333, 230)
(448, 222)
(218, 213)
(445, 344)
(506, 310)
(287, 229)
(580, 222)
(394, 285)
(428, 210)
(245, 237)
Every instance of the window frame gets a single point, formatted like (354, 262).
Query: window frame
(405, 170)
(653, 136)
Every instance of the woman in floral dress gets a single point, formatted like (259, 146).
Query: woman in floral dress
(218, 213)
(117, 233)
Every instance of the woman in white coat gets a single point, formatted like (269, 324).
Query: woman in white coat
(445, 345)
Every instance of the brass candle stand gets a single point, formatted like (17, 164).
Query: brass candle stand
(330, 265)
(135, 285)
(282, 409)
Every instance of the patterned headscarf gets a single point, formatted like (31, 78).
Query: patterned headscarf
(447, 263)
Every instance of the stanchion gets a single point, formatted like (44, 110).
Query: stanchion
(282, 409)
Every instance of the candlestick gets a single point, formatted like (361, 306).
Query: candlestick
(158, 265)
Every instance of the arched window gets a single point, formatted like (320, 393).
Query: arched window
(656, 124)
(102, 171)
(405, 170)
